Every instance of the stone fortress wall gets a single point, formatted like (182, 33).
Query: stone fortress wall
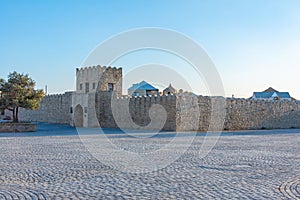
(261, 114)
(136, 112)
(182, 112)
(53, 109)
(239, 114)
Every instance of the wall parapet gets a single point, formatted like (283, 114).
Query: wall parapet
(96, 67)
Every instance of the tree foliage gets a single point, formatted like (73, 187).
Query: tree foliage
(18, 91)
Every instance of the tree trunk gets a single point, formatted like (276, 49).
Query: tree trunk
(17, 114)
(14, 116)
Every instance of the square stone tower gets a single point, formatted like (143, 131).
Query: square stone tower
(97, 78)
(89, 81)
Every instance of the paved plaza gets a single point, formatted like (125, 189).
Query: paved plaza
(53, 163)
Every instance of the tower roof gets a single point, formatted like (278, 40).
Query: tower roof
(170, 89)
(270, 89)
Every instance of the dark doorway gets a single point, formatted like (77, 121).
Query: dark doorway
(78, 116)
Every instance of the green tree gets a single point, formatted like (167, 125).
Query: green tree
(18, 92)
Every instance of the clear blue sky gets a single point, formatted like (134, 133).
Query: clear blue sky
(254, 43)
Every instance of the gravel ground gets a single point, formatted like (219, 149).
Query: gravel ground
(53, 163)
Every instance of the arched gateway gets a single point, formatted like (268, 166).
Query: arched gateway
(78, 117)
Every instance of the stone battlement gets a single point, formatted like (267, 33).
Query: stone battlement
(97, 67)
(57, 95)
(149, 96)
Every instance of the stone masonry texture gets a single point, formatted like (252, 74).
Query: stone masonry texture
(181, 113)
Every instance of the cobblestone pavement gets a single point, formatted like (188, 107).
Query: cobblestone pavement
(242, 165)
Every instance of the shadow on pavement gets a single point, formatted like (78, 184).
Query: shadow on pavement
(46, 129)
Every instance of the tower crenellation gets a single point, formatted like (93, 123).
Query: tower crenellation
(99, 78)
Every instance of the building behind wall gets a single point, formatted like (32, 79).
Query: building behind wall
(142, 89)
(170, 90)
(271, 94)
